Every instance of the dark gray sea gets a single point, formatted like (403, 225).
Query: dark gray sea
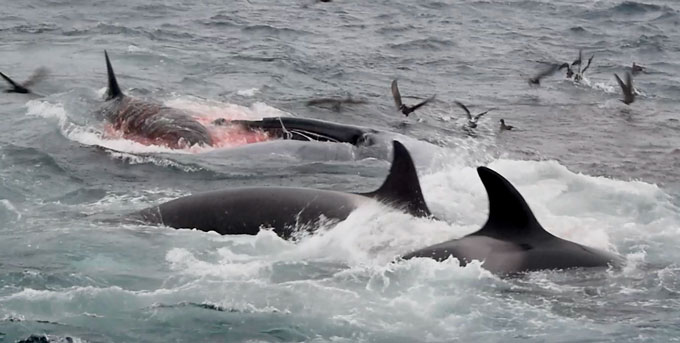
(593, 169)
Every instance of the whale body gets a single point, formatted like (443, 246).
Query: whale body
(512, 240)
(246, 210)
(150, 121)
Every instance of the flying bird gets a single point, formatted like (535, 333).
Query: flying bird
(406, 110)
(627, 88)
(588, 64)
(580, 73)
(472, 120)
(38, 75)
(536, 80)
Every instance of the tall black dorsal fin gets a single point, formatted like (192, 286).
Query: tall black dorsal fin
(113, 91)
(401, 187)
(509, 214)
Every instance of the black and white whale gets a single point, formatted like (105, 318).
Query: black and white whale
(286, 209)
(149, 120)
(512, 240)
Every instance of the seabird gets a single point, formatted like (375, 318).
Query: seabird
(536, 80)
(627, 88)
(406, 110)
(577, 62)
(23, 88)
(505, 127)
(472, 120)
(580, 73)
(636, 68)
(588, 64)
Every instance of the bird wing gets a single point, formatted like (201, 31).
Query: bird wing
(621, 84)
(588, 64)
(415, 107)
(630, 94)
(11, 82)
(548, 71)
(38, 75)
(395, 94)
(460, 104)
(481, 114)
(577, 61)
(627, 88)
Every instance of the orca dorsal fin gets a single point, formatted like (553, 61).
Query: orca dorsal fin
(509, 214)
(113, 90)
(401, 187)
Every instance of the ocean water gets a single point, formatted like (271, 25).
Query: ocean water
(594, 170)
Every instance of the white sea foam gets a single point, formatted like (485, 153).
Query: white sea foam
(608, 87)
(607, 212)
(211, 110)
(345, 278)
(7, 207)
(248, 92)
(133, 48)
(345, 281)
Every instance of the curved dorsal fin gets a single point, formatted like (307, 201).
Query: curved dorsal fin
(113, 91)
(401, 187)
(509, 214)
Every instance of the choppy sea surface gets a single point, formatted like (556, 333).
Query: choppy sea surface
(594, 170)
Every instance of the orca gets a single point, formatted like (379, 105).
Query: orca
(286, 209)
(148, 120)
(512, 241)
